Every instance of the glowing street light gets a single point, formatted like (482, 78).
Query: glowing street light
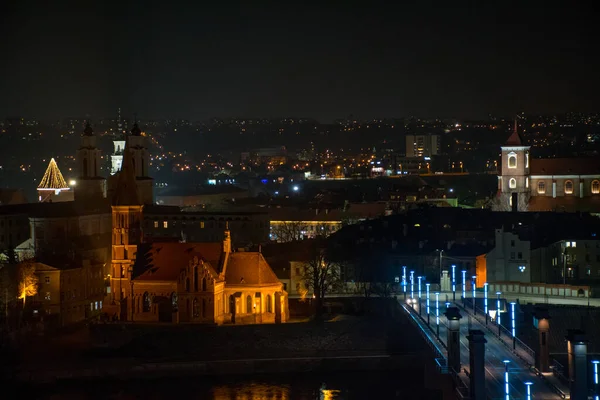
(498, 320)
(506, 385)
(464, 285)
(404, 280)
(419, 292)
(514, 330)
(412, 284)
(528, 384)
(437, 312)
(485, 303)
(596, 395)
(474, 287)
(427, 304)
(453, 282)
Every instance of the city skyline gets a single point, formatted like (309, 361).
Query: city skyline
(326, 62)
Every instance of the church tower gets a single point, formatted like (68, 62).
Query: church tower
(515, 166)
(136, 142)
(90, 185)
(126, 236)
(116, 159)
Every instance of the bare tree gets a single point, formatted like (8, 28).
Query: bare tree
(503, 202)
(28, 281)
(288, 231)
(321, 275)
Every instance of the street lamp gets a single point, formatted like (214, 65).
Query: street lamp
(485, 301)
(412, 285)
(512, 311)
(506, 385)
(419, 292)
(498, 320)
(474, 287)
(528, 384)
(437, 312)
(464, 286)
(596, 394)
(404, 280)
(427, 304)
(453, 282)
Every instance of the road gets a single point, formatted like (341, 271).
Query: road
(496, 351)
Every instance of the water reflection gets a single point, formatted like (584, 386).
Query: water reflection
(251, 391)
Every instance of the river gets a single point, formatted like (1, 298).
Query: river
(369, 386)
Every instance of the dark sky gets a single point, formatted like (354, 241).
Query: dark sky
(193, 60)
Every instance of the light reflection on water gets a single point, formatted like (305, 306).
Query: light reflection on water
(262, 391)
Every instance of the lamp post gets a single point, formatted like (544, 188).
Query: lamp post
(485, 301)
(427, 304)
(498, 320)
(596, 391)
(474, 287)
(412, 286)
(453, 282)
(437, 312)
(404, 281)
(506, 385)
(528, 385)
(464, 286)
(514, 330)
(441, 253)
(419, 292)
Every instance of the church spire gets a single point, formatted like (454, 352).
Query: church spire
(126, 189)
(88, 131)
(515, 139)
(135, 131)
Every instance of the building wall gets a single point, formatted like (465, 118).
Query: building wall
(584, 190)
(14, 230)
(509, 260)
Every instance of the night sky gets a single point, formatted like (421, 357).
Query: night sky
(193, 60)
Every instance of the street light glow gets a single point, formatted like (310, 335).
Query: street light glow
(512, 311)
(419, 281)
(453, 278)
(437, 308)
(498, 308)
(464, 284)
(528, 384)
(412, 284)
(506, 385)
(485, 297)
(427, 293)
(404, 278)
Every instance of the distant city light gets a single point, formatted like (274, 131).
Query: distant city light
(296, 188)
(72, 182)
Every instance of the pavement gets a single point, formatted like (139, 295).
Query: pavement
(497, 351)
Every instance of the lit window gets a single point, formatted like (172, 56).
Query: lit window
(527, 182)
(47, 279)
(156, 224)
(202, 224)
(569, 187)
(512, 183)
(512, 160)
(541, 187)
(573, 244)
(596, 187)
(526, 160)
(165, 224)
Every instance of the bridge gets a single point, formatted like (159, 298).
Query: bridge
(509, 365)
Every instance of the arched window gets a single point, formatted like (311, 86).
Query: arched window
(512, 160)
(541, 187)
(146, 303)
(595, 187)
(187, 284)
(569, 187)
(204, 284)
(512, 183)
(249, 304)
(196, 308)
(174, 305)
(195, 279)
(269, 305)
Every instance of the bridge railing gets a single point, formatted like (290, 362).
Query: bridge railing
(431, 341)
(461, 387)
(558, 370)
(551, 385)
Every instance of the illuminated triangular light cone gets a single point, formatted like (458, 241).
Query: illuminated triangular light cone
(53, 178)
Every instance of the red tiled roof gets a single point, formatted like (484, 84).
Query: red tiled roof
(565, 166)
(567, 204)
(249, 268)
(164, 261)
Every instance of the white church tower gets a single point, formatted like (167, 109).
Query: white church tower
(119, 146)
(514, 179)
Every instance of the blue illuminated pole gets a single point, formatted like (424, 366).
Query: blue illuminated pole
(427, 293)
(404, 281)
(514, 330)
(412, 285)
(485, 301)
(506, 385)
(498, 321)
(437, 312)
(453, 282)
(419, 292)
(528, 384)
(474, 287)
(464, 286)
(596, 391)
